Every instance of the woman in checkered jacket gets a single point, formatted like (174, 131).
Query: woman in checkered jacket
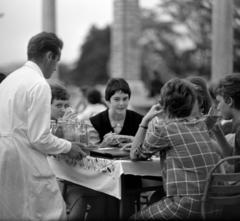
(186, 152)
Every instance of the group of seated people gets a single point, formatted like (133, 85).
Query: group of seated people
(178, 128)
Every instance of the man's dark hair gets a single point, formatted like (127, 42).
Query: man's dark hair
(43, 42)
(59, 93)
(229, 87)
(2, 77)
(114, 85)
(178, 97)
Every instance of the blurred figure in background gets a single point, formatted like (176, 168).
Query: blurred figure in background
(2, 77)
(211, 89)
(94, 104)
(82, 99)
(203, 96)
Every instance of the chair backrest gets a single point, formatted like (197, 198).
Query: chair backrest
(221, 189)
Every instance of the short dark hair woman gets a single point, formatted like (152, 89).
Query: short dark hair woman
(117, 119)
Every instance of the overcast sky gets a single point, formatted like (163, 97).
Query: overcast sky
(22, 19)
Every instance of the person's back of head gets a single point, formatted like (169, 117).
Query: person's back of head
(211, 89)
(2, 77)
(178, 97)
(114, 85)
(42, 43)
(203, 96)
(229, 88)
(94, 96)
(59, 93)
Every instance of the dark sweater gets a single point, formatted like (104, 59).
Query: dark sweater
(102, 124)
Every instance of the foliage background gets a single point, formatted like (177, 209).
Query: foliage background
(176, 41)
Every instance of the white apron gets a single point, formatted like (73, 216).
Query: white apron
(28, 187)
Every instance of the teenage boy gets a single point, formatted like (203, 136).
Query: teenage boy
(228, 94)
(186, 153)
(60, 103)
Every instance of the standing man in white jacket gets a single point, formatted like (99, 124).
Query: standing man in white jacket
(28, 187)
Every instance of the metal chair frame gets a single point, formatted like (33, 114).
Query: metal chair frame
(226, 194)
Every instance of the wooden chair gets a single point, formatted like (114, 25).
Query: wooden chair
(225, 192)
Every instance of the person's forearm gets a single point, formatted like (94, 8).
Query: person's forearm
(139, 137)
(225, 148)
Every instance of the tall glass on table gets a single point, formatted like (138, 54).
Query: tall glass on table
(82, 134)
(212, 117)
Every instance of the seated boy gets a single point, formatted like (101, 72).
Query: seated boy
(228, 94)
(60, 102)
(186, 152)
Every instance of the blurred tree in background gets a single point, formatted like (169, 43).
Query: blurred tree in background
(177, 34)
(92, 66)
(175, 41)
(236, 37)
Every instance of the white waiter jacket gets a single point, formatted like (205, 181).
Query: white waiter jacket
(28, 187)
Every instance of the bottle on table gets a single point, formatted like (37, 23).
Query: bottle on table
(60, 129)
(70, 132)
(82, 133)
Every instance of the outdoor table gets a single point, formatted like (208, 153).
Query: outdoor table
(108, 176)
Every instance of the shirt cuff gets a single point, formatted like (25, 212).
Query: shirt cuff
(67, 147)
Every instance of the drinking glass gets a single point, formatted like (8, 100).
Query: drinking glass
(212, 117)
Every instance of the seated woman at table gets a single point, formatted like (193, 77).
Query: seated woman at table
(203, 99)
(202, 108)
(181, 141)
(200, 111)
(105, 129)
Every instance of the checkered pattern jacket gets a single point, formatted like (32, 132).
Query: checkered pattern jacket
(186, 153)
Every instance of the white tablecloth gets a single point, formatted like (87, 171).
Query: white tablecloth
(101, 174)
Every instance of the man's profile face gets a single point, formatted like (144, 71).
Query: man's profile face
(58, 108)
(51, 63)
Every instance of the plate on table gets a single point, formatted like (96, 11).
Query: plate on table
(109, 153)
(89, 148)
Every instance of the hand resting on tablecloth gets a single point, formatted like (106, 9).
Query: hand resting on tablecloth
(126, 146)
(112, 139)
(76, 152)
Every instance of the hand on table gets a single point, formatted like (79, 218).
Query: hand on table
(109, 136)
(126, 147)
(112, 139)
(76, 152)
(108, 140)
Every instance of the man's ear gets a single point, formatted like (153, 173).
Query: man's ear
(49, 55)
(230, 102)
